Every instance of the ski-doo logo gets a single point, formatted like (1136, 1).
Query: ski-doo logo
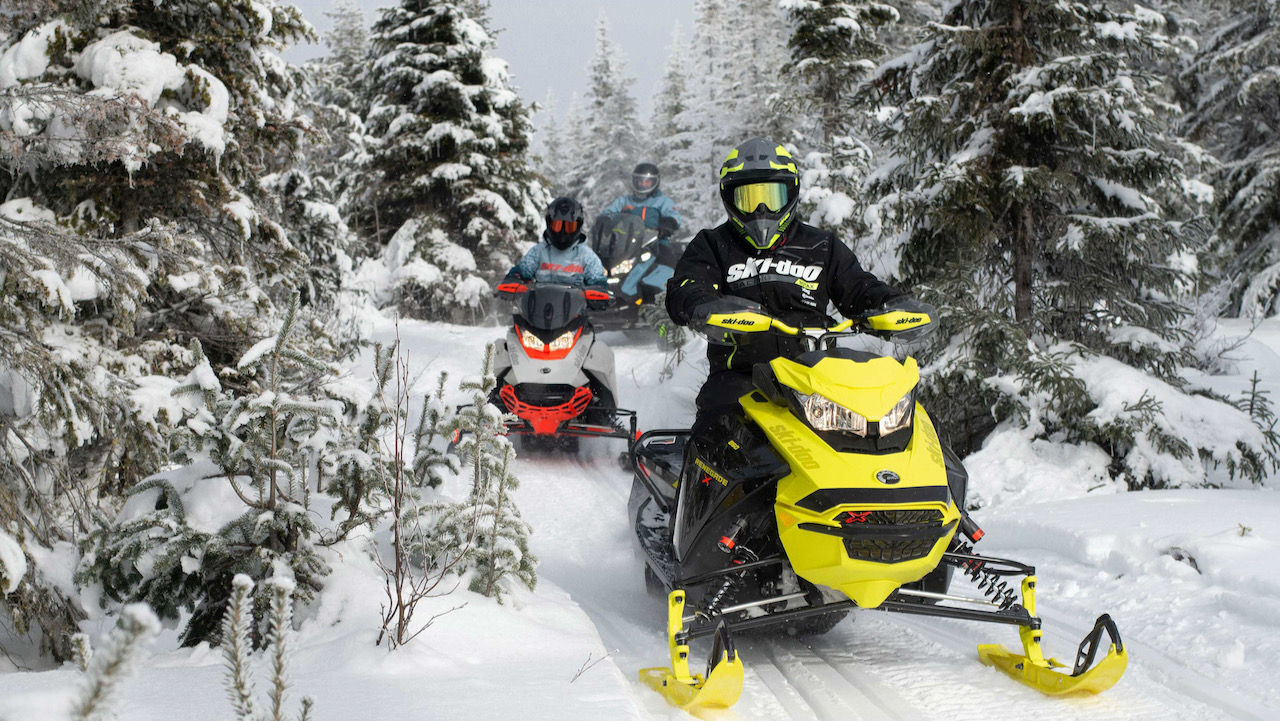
(913, 319)
(570, 268)
(794, 447)
(779, 266)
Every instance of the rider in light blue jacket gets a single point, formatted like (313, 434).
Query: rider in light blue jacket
(561, 257)
(647, 201)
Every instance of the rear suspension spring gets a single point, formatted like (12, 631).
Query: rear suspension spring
(993, 585)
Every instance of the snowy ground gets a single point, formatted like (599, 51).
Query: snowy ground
(1204, 640)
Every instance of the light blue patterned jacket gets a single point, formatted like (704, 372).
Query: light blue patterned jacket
(544, 263)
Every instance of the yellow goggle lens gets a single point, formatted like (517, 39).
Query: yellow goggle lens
(749, 197)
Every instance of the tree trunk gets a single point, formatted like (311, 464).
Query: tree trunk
(1023, 237)
(1023, 247)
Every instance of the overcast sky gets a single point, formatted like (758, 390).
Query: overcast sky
(548, 43)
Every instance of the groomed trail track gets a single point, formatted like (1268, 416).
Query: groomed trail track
(873, 666)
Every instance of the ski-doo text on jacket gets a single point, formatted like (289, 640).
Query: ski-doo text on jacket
(794, 282)
(578, 265)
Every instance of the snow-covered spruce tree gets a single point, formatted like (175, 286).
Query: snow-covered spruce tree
(555, 154)
(705, 120)
(455, 192)
(483, 536)
(833, 47)
(265, 446)
(336, 151)
(1234, 85)
(753, 80)
(1036, 189)
(360, 476)
(611, 133)
(672, 137)
(103, 674)
(237, 634)
(110, 144)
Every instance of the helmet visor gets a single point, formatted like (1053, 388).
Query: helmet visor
(749, 197)
(563, 226)
(643, 182)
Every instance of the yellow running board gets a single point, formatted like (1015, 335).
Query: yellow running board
(678, 686)
(1034, 670)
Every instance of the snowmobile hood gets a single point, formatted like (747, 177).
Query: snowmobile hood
(870, 387)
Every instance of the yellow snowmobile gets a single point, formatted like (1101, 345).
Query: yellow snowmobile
(831, 491)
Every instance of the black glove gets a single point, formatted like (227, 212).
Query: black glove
(667, 225)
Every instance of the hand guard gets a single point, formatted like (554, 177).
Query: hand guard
(904, 318)
(511, 287)
(598, 299)
(747, 314)
(721, 305)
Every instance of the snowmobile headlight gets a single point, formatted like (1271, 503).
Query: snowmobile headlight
(624, 267)
(531, 341)
(899, 416)
(564, 342)
(827, 415)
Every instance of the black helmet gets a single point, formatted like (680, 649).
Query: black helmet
(760, 188)
(564, 223)
(645, 179)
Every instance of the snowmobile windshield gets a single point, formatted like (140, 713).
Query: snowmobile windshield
(551, 307)
(619, 240)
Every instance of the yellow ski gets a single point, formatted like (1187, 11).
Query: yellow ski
(691, 692)
(1034, 670)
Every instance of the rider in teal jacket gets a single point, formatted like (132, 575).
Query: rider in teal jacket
(561, 257)
(647, 201)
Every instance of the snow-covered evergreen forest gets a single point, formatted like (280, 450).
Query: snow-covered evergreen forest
(243, 304)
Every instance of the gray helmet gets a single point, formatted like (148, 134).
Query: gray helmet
(760, 188)
(645, 179)
(564, 223)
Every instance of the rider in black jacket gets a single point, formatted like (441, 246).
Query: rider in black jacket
(763, 253)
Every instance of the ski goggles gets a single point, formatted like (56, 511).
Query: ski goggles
(749, 197)
(563, 226)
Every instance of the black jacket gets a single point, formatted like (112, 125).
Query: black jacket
(793, 282)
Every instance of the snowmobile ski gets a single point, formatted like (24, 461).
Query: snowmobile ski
(1033, 669)
(722, 685)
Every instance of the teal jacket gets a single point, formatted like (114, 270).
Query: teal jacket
(651, 208)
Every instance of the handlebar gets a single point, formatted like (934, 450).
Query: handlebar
(907, 325)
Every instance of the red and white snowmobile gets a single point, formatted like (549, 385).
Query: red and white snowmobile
(553, 373)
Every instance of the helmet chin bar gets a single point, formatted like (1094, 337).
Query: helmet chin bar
(563, 241)
(760, 231)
